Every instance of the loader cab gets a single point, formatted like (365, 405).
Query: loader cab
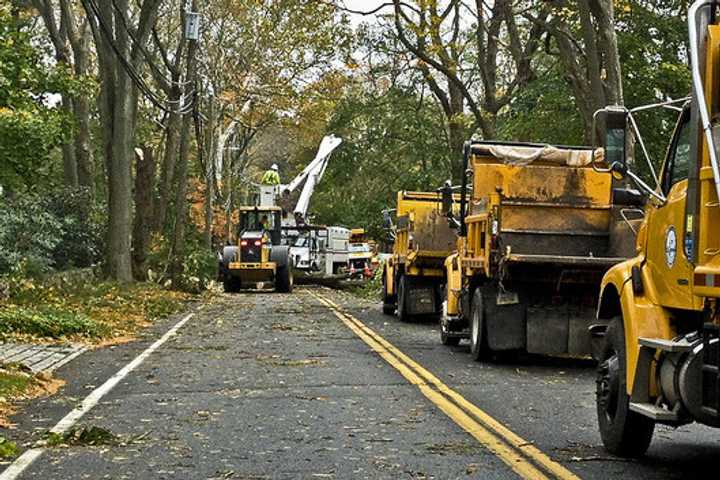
(263, 220)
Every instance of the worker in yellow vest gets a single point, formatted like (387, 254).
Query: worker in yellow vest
(271, 177)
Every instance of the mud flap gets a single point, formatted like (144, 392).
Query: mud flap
(506, 322)
(548, 330)
(421, 299)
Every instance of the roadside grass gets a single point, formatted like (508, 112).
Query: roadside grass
(8, 449)
(18, 383)
(87, 311)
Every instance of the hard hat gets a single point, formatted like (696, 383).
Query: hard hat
(274, 167)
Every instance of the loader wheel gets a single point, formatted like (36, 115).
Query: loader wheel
(624, 433)
(478, 337)
(403, 287)
(231, 284)
(284, 280)
(388, 300)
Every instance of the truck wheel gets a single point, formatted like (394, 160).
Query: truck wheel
(447, 340)
(478, 337)
(403, 287)
(388, 300)
(624, 433)
(231, 284)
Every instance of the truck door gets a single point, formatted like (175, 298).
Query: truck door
(670, 269)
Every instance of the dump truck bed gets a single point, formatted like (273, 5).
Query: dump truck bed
(553, 209)
(424, 237)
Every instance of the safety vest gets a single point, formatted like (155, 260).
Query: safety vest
(271, 177)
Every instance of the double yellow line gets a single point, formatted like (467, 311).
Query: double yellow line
(521, 456)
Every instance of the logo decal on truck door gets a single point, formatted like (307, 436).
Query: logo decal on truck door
(670, 247)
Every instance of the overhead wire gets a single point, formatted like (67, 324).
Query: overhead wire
(92, 8)
(146, 54)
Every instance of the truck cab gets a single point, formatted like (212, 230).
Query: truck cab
(658, 321)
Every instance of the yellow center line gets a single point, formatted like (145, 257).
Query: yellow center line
(516, 441)
(510, 448)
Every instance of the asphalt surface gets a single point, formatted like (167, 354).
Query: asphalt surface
(263, 385)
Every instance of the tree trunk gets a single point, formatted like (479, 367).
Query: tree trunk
(209, 174)
(144, 190)
(456, 131)
(605, 17)
(167, 176)
(181, 208)
(70, 170)
(118, 112)
(118, 154)
(83, 143)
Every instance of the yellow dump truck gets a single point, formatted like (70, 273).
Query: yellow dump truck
(538, 228)
(659, 317)
(413, 277)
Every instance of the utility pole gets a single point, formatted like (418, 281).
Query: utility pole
(181, 207)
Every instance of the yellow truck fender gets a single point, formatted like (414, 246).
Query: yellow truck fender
(641, 316)
(389, 273)
(453, 274)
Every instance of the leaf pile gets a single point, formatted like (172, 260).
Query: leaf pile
(92, 435)
(84, 310)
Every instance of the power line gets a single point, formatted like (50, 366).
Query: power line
(144, 51)
(92, 8)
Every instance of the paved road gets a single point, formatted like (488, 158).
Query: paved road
(319, 384)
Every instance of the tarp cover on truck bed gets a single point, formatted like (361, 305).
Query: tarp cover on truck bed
(521, 155)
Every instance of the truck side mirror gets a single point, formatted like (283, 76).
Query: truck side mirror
(387, 220)
(447, 199)
(615, 139)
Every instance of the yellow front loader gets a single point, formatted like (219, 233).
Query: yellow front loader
(658, 318)
(258, 256)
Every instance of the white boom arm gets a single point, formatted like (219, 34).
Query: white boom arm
(327, 146)
(313, 173)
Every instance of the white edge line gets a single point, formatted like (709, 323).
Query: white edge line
(15, 469)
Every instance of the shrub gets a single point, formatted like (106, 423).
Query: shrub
(199, 265)
(40, 233)
(46, 322)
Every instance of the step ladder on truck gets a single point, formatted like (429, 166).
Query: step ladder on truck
(658, 319)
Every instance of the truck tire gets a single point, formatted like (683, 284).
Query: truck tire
(478, 336)
(280, 254)
(624, 433)
(447, 340)
(403, 287)
(388, 300)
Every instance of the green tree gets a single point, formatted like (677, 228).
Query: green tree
(30, 126)
(394, 141)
